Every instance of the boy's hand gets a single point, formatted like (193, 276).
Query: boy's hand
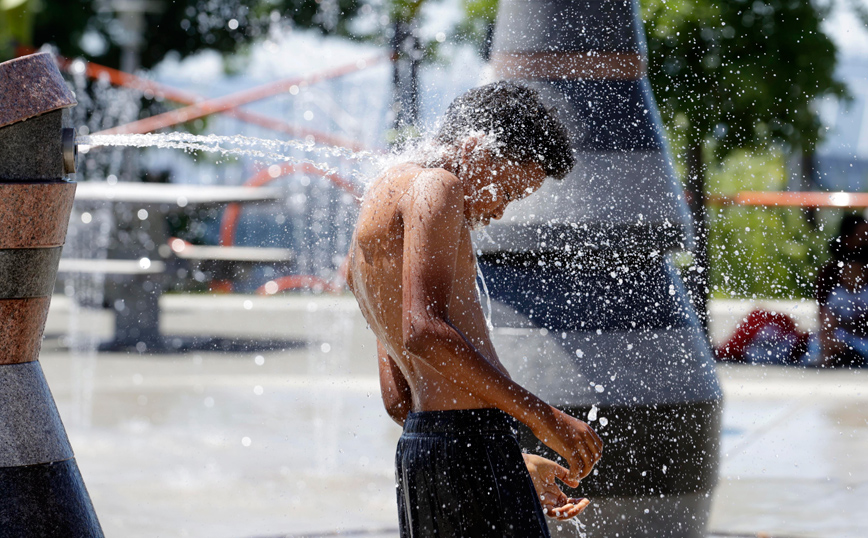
(575, 441)
(554, 502)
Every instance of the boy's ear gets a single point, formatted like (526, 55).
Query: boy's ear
(470, 154)
(468, 146)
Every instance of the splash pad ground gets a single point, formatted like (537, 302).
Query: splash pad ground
(295, 443)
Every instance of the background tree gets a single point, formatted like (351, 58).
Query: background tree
(16, 26)
(407, 55)
(728, 75)
(91, 29)
(736, 74)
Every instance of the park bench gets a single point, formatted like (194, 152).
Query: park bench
(134, 283)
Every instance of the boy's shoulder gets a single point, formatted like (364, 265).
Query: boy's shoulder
(422, 181)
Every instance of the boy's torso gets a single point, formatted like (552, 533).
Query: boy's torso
(376, 275)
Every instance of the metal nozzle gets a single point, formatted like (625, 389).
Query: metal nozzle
(70, 150)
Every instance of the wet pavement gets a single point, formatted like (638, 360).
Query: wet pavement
(295, 442)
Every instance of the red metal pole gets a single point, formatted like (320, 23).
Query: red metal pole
(842, 200)
(232, 101)
(159, 90)
(233, 211)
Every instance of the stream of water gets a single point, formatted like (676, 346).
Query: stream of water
(261, 149)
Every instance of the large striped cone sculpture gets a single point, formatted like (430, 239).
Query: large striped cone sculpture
(41, 490)
(589, 312)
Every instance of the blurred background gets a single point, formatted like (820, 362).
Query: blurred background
(223, 384)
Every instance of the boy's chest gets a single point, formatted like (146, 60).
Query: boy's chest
(465, 309)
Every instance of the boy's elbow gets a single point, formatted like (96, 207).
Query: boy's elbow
(397, 410)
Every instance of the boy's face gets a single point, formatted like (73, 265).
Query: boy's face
(497, 183)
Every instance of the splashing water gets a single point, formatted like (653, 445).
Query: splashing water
(257, 148)
(578, 525)
(483, 294)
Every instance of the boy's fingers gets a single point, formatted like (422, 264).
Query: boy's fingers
(588, 461)
(595, 447)
(579, 469)
(583, 502)
(570, 510)
(575, 473)
(564, 475)
(569, 481)
(549, 500)
(598, 445)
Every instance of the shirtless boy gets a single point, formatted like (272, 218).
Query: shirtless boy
(460, 470)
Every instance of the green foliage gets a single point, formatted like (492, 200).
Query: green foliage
(736, 81)
(478, 16)
(740, 73)
(404, 10)
(15, 26)
(88, 28)
(760, 252)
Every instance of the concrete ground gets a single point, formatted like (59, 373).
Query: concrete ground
(295, 442)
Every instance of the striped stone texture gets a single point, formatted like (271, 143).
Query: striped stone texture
(30, 428)
(35, 214)
(569, 65)
(30, 86)
(33, 222)
(46, 501)
(21, 324)
(588, 314)
(42, 494)
(568, 25)
(587, 58)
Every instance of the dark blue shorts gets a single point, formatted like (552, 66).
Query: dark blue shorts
(461, 474)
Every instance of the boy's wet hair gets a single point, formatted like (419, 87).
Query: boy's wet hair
(525, 128)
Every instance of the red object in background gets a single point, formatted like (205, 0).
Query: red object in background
(162, 91)
(233, 211)
(236, 100)
(746, 333)
(817, 199)
(232, 215)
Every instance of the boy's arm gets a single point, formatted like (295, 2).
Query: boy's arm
(394, 388)
(433, 224)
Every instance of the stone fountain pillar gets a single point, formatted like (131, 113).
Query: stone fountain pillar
(589, 312)
(41, 490)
